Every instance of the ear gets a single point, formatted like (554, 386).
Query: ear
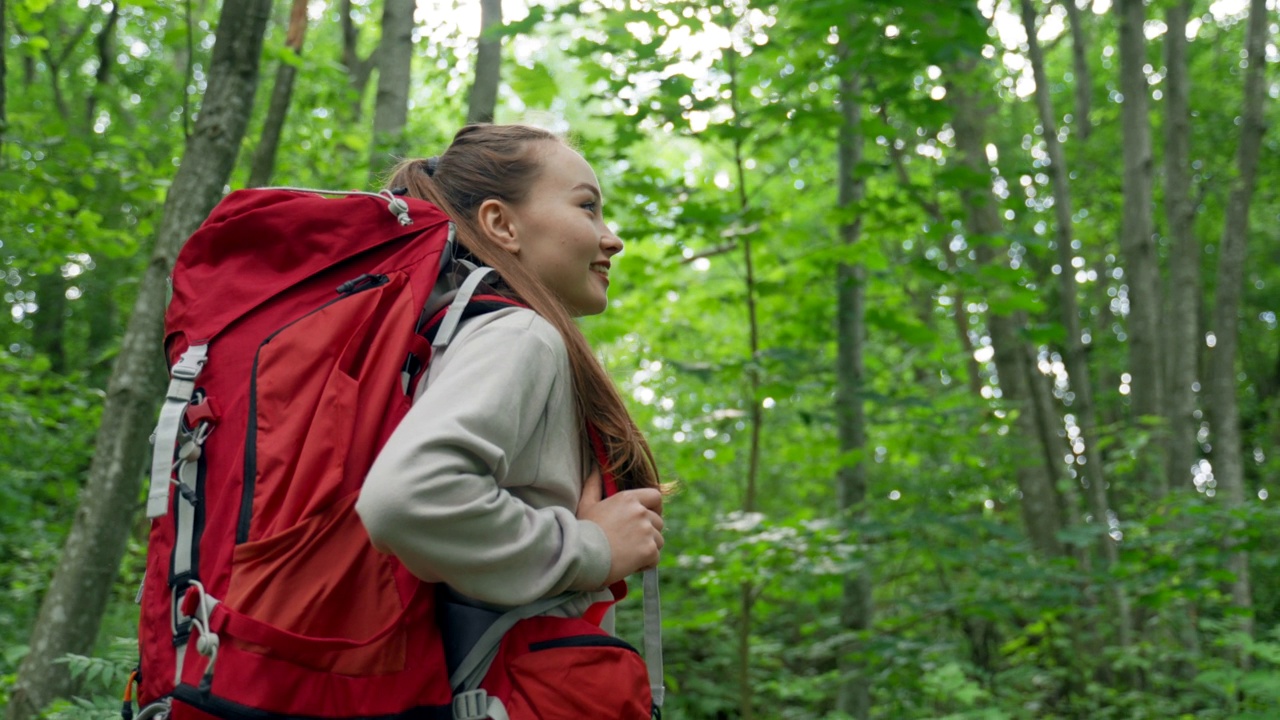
(497, 221)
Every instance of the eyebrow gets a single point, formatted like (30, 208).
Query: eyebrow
(594, 190)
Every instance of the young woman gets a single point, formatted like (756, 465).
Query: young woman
(489, 485)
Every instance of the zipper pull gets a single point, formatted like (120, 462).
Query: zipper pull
(364, 282)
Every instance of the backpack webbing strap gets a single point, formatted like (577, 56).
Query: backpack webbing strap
(184, 555)
(453, 317)
(476, 664)
(652, 602)
(177, 397)
(653, 636)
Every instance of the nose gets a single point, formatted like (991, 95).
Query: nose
(610, 242)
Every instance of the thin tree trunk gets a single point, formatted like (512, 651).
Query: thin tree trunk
(1228, 463)
(959, 315)
(1041, 513)
(264, 158)
(747, 591)
(854, 695)
(1080, 67)
(358, 68)
(106, 61)
(753, 458)
(48, 335)
(1184, 256)
(72, 608)
(99, 313)
(4, 75)
(1076, 357)
(391, 111)
(1183, 298)
(1137, 242)
(484, 93)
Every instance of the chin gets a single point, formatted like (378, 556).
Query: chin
(591, 308)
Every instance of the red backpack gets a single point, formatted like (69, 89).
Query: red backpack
(295, 338)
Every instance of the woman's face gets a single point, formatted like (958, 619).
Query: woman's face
(561, 234)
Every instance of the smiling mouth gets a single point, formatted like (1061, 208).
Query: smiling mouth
(602, 270)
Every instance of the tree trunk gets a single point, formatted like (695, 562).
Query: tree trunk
(51, 320)
(747, 591)
(1041, 513)
(1076, 357)
(99, 313)
(1080, 67)
(1184, 256)
(1137, 242)
(106, 61)
(358, 68)
(4, 74)
(391, 110)
(854, 695)
(1228, 462)
(72, 608)
(264, 158)
(484, 93)
(1183, 297)
(959, 315)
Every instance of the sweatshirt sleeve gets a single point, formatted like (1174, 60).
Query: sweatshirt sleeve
(434, 499)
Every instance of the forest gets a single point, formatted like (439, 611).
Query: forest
(954, 323)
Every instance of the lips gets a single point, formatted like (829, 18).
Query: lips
(601, 269)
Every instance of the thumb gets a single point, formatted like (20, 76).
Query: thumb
(592, 492)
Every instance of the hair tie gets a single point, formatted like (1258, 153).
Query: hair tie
(430, 165)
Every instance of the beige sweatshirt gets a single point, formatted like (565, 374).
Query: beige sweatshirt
(478, 486)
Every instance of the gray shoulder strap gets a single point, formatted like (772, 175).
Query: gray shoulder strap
(453, 316)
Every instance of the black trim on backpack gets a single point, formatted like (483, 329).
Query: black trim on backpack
(178, 584)
(582, 641)
(250, 451)
(228, 710)
(479, 305)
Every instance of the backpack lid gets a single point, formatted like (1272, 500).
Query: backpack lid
(257, 244)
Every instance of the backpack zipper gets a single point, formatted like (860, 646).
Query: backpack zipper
(345, 290)
(573, 641)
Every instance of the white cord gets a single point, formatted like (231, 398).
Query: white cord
(397, 206)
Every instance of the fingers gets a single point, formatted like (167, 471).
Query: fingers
(657, 521)
(592, 492)
(651, 498)
(633, 524)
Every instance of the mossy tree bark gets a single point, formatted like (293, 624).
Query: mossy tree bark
(73, 605)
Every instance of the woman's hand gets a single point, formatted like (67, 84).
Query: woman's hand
(632, 522)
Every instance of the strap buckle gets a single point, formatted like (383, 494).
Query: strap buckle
(191, 363)
(179, 621)
(471, 705)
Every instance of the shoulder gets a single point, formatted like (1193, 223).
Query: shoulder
(514, 327)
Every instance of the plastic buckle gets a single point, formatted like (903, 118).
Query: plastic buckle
(191, 363)
(471, 705)
(186, 373)
(179, 621)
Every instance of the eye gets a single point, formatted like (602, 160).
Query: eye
(590, 206)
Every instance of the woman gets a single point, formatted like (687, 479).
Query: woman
(489, 484)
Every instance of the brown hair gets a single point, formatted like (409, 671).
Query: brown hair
(503, 161)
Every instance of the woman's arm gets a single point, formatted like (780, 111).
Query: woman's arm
(434, 496)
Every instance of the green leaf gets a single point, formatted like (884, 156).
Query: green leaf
(535, 85)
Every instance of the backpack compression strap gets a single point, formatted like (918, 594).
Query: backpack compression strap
(181, 388)
(652, 603)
